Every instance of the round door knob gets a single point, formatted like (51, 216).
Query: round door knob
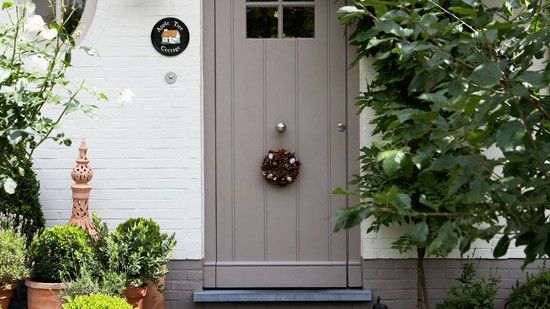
(280, 127)
(341, 127)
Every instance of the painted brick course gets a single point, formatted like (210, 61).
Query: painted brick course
(395, 280)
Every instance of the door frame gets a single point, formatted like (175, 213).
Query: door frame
(209, 150)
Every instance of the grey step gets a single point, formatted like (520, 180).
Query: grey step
(326, 295)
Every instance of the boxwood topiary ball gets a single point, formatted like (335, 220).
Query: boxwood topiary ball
(59, 253)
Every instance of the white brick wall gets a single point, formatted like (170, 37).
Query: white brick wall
(146, 155)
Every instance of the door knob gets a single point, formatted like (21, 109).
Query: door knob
(341, 127)
(280, 127)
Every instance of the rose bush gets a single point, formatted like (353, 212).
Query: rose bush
(34, 59)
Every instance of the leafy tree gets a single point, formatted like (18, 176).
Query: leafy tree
(457, 80)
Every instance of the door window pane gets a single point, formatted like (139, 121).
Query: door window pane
(299, 22)
(261, 22)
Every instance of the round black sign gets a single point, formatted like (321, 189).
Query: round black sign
(170, 36)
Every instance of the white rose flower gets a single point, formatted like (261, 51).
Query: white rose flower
(48, 34)
(4, 74)
(35, 23)
(35, 65)
(7, 89)
(126, 96)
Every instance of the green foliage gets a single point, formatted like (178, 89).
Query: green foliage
(143, 249)
(455, 78)
(33, 79)
(23, 206)
(13, 256)
(103, 274)
(60, 252)
(533, 294)
(470, 293)
(97, 301)
(95, 279)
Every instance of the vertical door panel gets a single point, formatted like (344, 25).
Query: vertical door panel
(280, 64)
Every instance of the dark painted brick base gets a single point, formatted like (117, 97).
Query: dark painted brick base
(393, 280)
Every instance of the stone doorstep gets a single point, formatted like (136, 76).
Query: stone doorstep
(326, 295)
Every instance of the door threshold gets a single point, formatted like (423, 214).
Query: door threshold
(320, 295)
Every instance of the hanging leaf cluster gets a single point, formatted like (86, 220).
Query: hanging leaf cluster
(462, 122)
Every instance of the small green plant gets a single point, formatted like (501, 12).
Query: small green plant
(97, 301)
(60, 253)
(23, 206)
(469, 292)
(533, 294)
(13, 265)
(143, 250)
(95, 279)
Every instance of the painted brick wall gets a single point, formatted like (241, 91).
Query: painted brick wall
(395, 280)
(146, 155)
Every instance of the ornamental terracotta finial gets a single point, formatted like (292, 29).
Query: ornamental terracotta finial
(82, 174)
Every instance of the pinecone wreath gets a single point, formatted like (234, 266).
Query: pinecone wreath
(280, 167)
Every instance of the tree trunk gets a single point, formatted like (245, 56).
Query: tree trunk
(422, 291)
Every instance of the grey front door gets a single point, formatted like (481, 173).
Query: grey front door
(282, 61)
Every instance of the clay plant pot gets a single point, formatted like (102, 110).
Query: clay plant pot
(135, 296)
(42, 295)
(6, 294)
(154, 299)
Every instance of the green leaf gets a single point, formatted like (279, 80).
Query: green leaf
(402, 201)
(7, 4)
(349, 217)
(341, 191)
(392, 27)
(502, 246)
(436, 98)
(418, 234)
(478, 190)
(535, 78)
(486, 75)
(391, 160)
(10, 185)
(463, 11)
(465, 243)
(490, 232)
(510, 136)
(348, 14)
(404, 114)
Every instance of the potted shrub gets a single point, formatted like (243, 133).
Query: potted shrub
(144, 251)
(13, 267)
(97, 301)
(59, 253)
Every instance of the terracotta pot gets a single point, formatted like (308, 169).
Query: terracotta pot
(42, 295)
(154, 299)
(135, 296)
(6, 294)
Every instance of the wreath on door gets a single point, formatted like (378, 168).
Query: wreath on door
(280, 167)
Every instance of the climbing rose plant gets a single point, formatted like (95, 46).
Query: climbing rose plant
(34, 58)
